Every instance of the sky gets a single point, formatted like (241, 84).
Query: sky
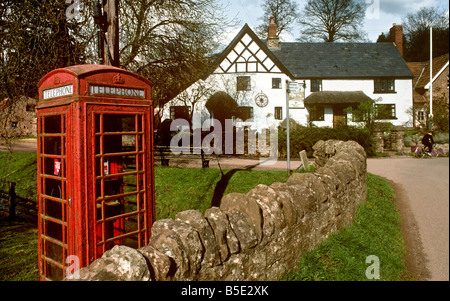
(380, 15)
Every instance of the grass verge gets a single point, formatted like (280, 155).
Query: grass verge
(18, 251)
(376, 230)
(22, 169)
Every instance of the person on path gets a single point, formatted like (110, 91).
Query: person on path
(428, 141)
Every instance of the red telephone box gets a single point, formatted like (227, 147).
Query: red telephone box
(95, 165)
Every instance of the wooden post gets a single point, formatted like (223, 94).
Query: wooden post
(12, 200)
(112, 36)
(100, 22)
(304, 159)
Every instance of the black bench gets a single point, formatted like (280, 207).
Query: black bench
(165, 153)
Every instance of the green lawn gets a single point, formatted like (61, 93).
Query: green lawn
(375, 231)
(183, 189)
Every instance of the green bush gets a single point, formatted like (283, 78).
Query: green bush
(304, 138)
(441, 138)
(440, 120)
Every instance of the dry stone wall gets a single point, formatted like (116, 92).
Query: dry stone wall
(255, 236)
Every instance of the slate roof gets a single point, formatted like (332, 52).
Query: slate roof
(336, 97)
(342, 60)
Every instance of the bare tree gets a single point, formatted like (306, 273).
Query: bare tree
(416, 29)
(285, 13)
(424, 18)
(332, 21)
(194, 97)
(169, 42)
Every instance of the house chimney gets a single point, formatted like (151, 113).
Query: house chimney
(396, 35)
(272, 40)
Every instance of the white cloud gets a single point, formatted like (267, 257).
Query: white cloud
(404, 7)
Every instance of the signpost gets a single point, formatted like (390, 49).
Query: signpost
(288, 152)
(430, 118)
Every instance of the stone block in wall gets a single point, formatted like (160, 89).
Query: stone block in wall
(267, 200)
(286, 194)
(305, 198)
(244, 204)
(226, 239)
(323, 150)
(170, 244)
(351, 161)
(121, 263)
(181, 242)
(196, 219)
(311, 182)
(243, 228)
(344, 170)
(284, 197)
(160, 265)
(329, 178)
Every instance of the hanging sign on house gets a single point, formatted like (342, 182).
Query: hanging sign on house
(296, 93)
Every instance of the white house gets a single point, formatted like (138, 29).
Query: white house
(318, 80)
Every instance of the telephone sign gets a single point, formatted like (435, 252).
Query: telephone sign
(58, 92)
(116, 91)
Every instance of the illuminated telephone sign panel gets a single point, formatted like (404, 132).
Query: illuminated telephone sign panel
(95, 165)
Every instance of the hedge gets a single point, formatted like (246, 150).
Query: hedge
(304, 138)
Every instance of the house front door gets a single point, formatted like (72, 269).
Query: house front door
(339, 117)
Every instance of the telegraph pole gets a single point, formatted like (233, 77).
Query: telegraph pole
(111, 9)
(106, 17)
(100, 22)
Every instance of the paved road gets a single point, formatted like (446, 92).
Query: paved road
(425, 183)
(21, 146)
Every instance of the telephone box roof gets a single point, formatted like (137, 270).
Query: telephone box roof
(89, 69)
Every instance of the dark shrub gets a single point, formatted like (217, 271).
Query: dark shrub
(304, 138)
